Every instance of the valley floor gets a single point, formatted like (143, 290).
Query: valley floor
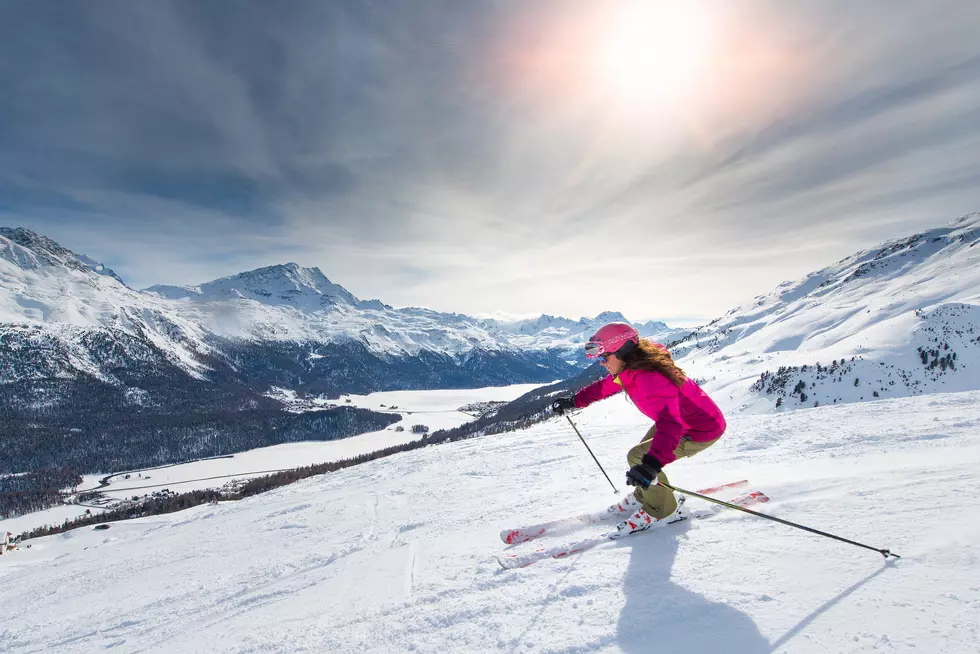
(398, 555)
(436, 409)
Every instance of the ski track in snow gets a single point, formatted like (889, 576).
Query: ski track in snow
(397, 555)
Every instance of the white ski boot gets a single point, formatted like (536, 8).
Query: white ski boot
(641, 521)
(626, 506)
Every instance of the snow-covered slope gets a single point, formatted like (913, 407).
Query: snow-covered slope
(99, 268)
(903, 318)
(49, 293)
(397, 555)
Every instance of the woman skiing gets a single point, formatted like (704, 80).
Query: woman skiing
(686, 420)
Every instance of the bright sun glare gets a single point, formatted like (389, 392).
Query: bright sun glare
(651, 51)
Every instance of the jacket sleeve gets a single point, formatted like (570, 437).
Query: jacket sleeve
(596, 391)
(660, 399)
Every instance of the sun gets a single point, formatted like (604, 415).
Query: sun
(649, 50)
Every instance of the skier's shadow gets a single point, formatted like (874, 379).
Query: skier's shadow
(661, 616)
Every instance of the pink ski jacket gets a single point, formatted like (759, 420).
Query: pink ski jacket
(685, 412)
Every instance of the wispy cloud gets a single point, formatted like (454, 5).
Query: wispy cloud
(463, 156)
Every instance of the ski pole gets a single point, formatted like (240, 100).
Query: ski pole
(884, 553)
(590, 452)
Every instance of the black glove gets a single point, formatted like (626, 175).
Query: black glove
(562, 404)
(645, 473)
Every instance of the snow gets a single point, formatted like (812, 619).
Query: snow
(436, 409)
(879, 307)
(397, 555)
(283, 284)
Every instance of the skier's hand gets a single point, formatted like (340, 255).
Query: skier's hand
(644, 474)
(562, 404)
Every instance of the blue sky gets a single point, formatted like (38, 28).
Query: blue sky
(667, 160)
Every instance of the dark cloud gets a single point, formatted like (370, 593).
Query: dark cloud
(271, 101)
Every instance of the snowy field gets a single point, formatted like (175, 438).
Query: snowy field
(437, 409)
(398, 555)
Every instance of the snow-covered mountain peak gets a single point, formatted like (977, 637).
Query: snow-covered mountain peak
(896, 257)
(281, 284)
(896, 313)
(604, 318)
(890, 262)
(969, 220)
(43, 250)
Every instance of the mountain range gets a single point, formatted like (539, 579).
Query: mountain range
(82, 353)
(49, 285)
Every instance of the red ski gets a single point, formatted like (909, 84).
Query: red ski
(564, 525)
(510, 561)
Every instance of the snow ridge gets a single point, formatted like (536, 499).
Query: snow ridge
(44, 251)
(877, 308)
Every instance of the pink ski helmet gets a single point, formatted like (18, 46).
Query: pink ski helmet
(614, 338)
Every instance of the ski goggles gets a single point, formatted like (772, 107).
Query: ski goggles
(593, 349)
(608, 347)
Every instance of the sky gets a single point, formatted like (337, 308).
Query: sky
(663, 159)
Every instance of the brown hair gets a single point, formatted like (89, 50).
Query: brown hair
(656, 358)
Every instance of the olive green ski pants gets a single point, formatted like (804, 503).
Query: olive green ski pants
(658, 501)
